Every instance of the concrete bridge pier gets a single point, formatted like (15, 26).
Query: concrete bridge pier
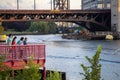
(115, 16)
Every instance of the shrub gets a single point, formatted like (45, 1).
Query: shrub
(4, 70)
(32, 73)
(93, 71)
(54, 76)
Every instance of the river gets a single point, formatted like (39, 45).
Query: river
(67, 55)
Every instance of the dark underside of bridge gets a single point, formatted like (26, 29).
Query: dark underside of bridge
(93, 20)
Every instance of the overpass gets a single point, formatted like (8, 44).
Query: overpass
(93, 20)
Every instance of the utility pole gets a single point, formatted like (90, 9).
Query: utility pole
(34, 4)
(51, 4)
(17, 4)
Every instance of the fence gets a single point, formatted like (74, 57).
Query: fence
(20, 52)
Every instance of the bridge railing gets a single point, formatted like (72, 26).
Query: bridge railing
(20, 52)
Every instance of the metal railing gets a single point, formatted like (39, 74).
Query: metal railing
(20, 52)
(17, 55)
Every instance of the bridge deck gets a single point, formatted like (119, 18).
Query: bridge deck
(52, 11)
(93, 20)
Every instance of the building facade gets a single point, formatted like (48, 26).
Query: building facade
(114, 5)
(96, 4)
(115, 15)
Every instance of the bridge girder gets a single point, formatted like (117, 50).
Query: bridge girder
(92, 19)
(61, 4)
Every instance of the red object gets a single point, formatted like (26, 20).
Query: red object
(13, 42)
(15, 58)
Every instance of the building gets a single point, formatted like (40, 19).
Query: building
(96, 4)
(115, 15)
(114, 5)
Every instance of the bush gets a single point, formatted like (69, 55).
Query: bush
(54, 76)
(31, 73)
(1, 29)
(4, 70)
(93, 71)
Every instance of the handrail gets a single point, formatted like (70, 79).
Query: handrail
(23, 52)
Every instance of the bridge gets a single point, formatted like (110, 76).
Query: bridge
(93, 20)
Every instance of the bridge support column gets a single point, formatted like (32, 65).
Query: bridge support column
(115, 16)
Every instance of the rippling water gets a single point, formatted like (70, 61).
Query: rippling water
(67, 55)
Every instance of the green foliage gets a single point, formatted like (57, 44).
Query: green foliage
(54, 76)
(52, 27)
(43, 27)
(94, 70)
(4, 70)
(1, 29)
(31, 73)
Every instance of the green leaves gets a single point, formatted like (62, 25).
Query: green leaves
(31, 73)
(4, 70)
(1, 29)
(54, 76)
(43, 27)
(94, 70)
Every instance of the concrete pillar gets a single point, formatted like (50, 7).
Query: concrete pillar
(115, 16)
(119, 15)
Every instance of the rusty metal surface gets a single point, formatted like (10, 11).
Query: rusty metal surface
(61, 4)
(51, 11)
(98, 17)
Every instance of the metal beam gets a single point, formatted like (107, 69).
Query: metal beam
(61, 4)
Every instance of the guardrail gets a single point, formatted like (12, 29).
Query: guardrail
(20, 52)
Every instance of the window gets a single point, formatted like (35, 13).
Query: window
(100, 6)
(108, 5)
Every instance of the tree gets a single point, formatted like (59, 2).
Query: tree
(16, 26)
(43, 27)
(1, 29)
(52, 27)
